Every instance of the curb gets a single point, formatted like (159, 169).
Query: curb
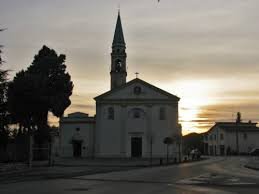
(251, 167)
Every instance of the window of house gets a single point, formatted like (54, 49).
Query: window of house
(162, 113)
(111, 113)
(215, 137)
(211, 137)
(221, 136)
(78, 129)
(245, 136)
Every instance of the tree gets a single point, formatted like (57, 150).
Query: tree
(168, 141)
(4, 132)
(20, 100)
(44, 87)
(192, 141)
(3, 110)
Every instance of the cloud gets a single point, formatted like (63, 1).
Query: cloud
(167, 43)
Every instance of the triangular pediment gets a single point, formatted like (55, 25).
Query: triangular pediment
(137, 89)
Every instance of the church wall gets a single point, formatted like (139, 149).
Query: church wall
(164, 128)
(137, 127)
(108, 132)
(114, 137)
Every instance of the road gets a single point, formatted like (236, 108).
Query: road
(216, 175)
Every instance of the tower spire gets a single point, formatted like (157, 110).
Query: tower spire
(118, 39)
(118, 56)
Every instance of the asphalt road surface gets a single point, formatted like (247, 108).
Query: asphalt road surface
(216, 175)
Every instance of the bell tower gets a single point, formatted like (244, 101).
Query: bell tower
(118, 57)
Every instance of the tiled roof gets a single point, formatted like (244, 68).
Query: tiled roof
(232, 126)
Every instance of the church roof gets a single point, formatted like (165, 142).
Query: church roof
(118, 38)
(137, 80)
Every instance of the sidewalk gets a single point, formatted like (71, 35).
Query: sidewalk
(253, 163)
(105, 162)
(11, 167)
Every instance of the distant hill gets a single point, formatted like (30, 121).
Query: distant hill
(192, 141)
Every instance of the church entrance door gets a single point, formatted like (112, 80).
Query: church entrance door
(77, 148)
(136, 147)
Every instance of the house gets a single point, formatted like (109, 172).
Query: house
(225, 138)
(77, 135)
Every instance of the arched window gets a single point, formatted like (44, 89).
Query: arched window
(111, 113)
(162, 113)
(118, 65)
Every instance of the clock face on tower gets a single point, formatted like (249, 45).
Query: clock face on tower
(118, 66)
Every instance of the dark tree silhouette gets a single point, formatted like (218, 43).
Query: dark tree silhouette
(3, 110)
(4, 132)
(21, 100)
(193, 141)
(44, 87)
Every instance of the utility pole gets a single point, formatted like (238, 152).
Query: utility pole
(238, 121)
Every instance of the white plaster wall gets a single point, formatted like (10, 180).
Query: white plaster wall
(213, 142)
(108, 132)
(113, 137)
(67, 130)
(164, 128)
(245, 145)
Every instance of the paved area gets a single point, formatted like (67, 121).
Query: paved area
(109, 162)
(71, 167)
(253, 163)
(216, 175)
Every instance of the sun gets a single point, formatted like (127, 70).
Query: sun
(194, 95)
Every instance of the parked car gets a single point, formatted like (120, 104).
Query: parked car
(254, 152)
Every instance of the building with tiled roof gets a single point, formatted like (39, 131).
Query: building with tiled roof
(225, 138)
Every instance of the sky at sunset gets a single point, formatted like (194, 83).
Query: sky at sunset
(204, 51)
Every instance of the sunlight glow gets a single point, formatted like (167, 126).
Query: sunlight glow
(194, 94)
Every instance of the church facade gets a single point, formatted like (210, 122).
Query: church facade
(132, 119)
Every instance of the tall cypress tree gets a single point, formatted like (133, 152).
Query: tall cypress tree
(44, 87)
(3, 104)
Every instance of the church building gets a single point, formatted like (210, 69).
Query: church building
(132, 119)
